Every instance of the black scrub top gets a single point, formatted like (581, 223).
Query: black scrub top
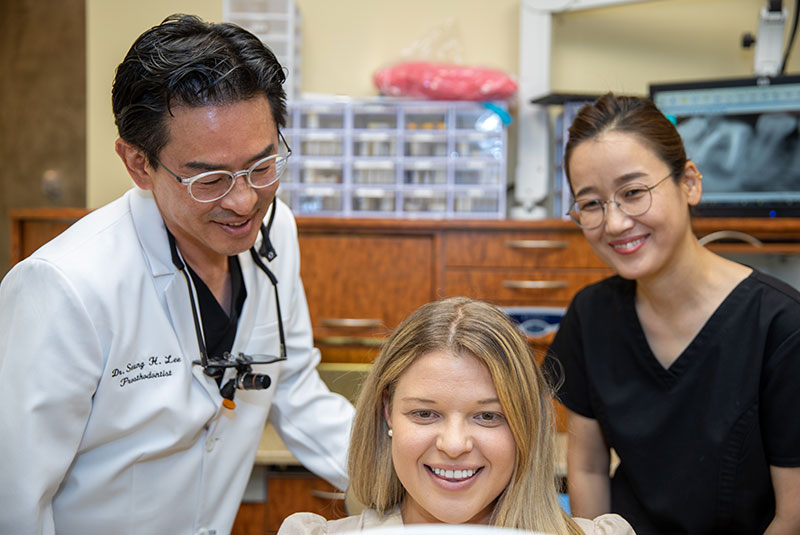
(695, 440)
(219, 328)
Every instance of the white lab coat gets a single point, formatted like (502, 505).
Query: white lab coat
(105, 424)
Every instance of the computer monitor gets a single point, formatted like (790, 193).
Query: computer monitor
(744, 136)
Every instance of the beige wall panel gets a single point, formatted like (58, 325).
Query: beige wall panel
(346, 41)
(625, 48)
(111, 28)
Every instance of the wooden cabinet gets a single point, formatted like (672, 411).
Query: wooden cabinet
(33, 227)
(362, 283)
(361, 280)
(288, 493)
(529, 245)
(535, 267)
(529, 287)
(362, 277)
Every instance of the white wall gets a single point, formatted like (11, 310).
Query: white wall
(624, 48)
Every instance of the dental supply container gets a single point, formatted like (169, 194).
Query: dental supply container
(391, 158)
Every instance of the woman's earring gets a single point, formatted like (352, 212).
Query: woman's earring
(389, 432)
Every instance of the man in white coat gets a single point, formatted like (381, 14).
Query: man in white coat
(143, 350)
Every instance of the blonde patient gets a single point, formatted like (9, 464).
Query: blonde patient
(454, 425)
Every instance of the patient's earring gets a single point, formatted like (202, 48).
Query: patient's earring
(389, 432)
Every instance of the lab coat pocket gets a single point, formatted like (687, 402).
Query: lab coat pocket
(263, 340)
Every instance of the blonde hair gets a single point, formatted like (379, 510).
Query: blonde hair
(462, 326)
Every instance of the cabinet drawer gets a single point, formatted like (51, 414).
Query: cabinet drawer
(567, 249)
(363, 285)
(520, 287)
(288, 494)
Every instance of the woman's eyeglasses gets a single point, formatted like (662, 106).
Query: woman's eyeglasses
(632, 199)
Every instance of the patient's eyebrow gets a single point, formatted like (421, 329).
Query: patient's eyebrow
(432, 402)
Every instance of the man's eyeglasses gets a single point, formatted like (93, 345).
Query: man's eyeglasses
(211, 186)
(632, 199)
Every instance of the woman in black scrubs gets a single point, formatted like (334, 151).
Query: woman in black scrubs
(684, 362)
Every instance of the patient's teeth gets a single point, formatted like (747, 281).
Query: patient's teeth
(453, 474)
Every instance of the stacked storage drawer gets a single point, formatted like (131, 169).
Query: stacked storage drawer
(384, 158)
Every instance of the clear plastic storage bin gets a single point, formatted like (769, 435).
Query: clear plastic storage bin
(374, 144)
(380, 201)
(321, 172)
(478, 173)
(395, 158)
(376, 117)
(425, 145)
(425, 117)
(476, 202)
(425, 201)
(319, 200)
(422, 172)
(321, 144)
(262, 25)
(479, 145)
(316, 117)
(374, 172)
(478, 120)
(277, 24)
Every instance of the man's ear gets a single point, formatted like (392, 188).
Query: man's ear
(692, 183)
(136, 163)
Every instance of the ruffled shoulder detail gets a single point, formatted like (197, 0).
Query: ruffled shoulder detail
(311, 524)
(608, 524)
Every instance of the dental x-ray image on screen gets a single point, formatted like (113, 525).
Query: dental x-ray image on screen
(744, 137)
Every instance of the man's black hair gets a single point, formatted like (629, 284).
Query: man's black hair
(185, 61)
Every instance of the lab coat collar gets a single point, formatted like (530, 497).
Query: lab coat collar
(151, 231)
(152, 235)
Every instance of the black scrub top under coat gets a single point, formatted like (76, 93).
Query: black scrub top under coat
(219, 328)
(695, 440)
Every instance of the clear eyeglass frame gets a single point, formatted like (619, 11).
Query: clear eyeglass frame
(225, 180)
(637, 198)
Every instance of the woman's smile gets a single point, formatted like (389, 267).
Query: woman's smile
(451, 445)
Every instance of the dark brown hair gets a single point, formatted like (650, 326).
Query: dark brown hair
(631, 115)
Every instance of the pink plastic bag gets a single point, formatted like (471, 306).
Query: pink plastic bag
(442, 81)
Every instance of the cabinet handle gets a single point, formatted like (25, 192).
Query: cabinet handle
(527, 285)
(350, 340)
(327, 495)
(536, 244)
(732, 235)
(353, 323)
